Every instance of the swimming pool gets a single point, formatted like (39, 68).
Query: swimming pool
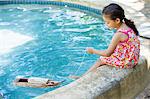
(50, 43)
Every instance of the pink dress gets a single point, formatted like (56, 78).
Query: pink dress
(126, 54)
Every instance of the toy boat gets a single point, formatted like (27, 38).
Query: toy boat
(35, 82)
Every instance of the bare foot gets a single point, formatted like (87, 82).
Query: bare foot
(74, 77)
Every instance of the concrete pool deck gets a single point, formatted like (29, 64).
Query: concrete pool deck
(107, 81)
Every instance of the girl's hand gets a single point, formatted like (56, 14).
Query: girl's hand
(90, 50)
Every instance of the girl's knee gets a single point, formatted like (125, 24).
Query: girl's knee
(100, 62)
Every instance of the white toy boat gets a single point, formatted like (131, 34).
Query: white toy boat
(35, 82)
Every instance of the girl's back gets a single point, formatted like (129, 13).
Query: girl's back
(127, 51)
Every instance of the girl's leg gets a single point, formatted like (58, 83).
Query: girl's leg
(97, 64)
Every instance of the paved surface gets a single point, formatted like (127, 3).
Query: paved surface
(146, 11)
(145, 94)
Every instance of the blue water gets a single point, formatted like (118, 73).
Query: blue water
(60, 37)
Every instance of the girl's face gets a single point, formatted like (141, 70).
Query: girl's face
(112, 24)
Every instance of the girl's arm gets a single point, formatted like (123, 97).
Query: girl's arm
(115, 40)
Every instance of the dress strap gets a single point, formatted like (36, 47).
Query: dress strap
(126, 32)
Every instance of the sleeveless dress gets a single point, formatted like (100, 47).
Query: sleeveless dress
(126, 54)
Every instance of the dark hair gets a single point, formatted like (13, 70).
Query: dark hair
(116, 11)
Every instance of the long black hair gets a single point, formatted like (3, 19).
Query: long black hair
(116, 11)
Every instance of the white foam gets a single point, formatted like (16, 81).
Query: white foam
(10, 39)
(80, 38)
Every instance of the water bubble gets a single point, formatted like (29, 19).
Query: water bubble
(1, 95)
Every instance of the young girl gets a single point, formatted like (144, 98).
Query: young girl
(123, 51)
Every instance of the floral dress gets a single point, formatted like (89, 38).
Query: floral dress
(126, 54)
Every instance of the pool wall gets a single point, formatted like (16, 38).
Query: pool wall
(47, 2)
(107, 82)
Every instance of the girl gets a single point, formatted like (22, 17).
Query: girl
(123, 51)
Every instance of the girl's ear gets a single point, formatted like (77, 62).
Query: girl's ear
(117, 20)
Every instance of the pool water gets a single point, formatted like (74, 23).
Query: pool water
(59, 35)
